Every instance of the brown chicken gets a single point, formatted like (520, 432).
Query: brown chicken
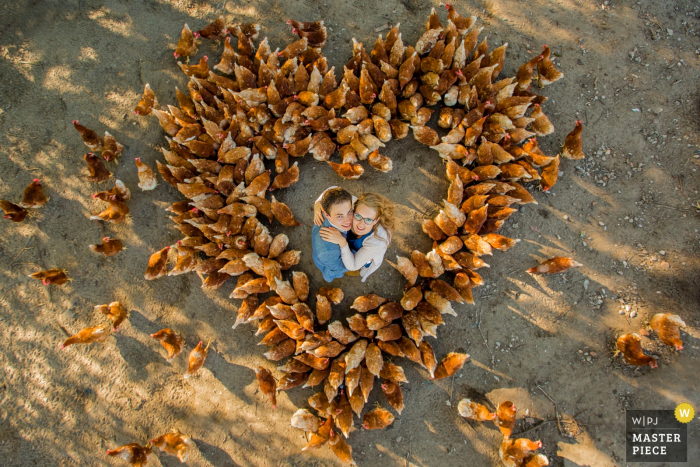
(88, 336)
(171, 341)
(90, 138)
(379, 162)
(157, 264)
(147, 179)
(116, 213)
(283, 214)
(449, 365)
(33, 196)
(340, 448)
(175, 443)
(111, 148)
(187, 45)
(197, 358)
(535, 460)
(315, 32)
(573, 145)
(474, 411)
(629, 345)
(97, 169)
(286, 178)
(667, 326)
(524, 75)
(12, 211)
(554, 265)
(133, 453)
(147, 102)
(513, 451)
(108, 247)
(115, 312)
(51, 276)
(546, 71)
(505, 418)
(347, 171)
(377, 419)
(267, 384)
(406, 268)
(214, 31)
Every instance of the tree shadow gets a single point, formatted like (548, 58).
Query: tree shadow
(215, 455)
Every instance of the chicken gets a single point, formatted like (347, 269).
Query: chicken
(546, 71)
(115, 312)
(629, 345)
(267, 384)
(340, 448)
(305, 420)
(108, 247)
(300, 283)
(573, 146)
(286, 178)
(157, 264)
(133, 453)
(97, 169)
(315, 32)
(12, 211)
(147, 102)
(33, 196)
(474, 411)
(513, 451)
(535, 460)
(425, 135)
(283, 214)
(550, 174)
(406, 268)
(294, 49)
(379, 162)
(667, 326)
(554, 265)
(449, 365)
(214, 31)
(461, 23)
(187, 45)
(176, 443)
(111, 148)
(90, 138)
(505, 418)
(51, 276)
(116, 213)
(147, 179)
(541, 126)
(171, 341)
(196, 359)
(524, 75)
(88, 336)
(500, 242)
(394, 395)
(377, 419)
(347, 171)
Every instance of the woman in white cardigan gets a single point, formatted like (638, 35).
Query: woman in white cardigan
(370, 236)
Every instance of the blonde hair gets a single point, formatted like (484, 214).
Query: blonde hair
(383, 207)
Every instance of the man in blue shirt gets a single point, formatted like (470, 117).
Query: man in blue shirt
(337, 212)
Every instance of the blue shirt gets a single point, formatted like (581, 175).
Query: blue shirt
(326, 255)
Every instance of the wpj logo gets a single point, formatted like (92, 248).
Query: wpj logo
(656, 436)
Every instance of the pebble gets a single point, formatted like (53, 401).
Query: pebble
(633, 314)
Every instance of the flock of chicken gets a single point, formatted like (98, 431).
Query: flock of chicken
(283, 104)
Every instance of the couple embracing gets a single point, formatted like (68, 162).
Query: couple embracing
(350, 235)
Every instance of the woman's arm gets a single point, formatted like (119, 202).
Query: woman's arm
(363, 256)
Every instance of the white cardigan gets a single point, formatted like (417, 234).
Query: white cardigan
(373, 249)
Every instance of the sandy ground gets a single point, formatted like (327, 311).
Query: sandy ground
(628, 213)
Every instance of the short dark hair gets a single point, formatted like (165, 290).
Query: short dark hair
(334, 196)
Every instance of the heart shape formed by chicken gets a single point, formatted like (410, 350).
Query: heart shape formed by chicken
(257, 109)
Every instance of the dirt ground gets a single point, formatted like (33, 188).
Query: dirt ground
(628, 212)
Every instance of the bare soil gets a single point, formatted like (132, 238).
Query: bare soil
(628, 212)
